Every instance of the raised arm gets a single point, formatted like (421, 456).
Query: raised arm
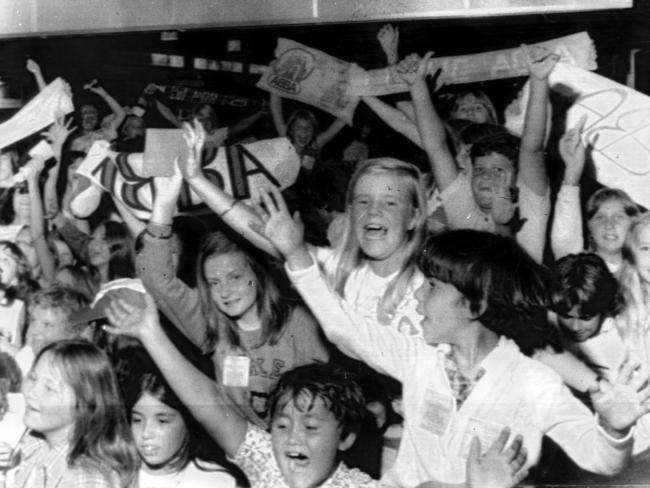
(199, 394)
(34, 68)
(115, 106)
(566, 230)
(395, 119)
(276, 113)
(245, 123)
(56, 135)
(388, 37)
(239, 216)
(532, 164)
(430, 126)
(168, 114)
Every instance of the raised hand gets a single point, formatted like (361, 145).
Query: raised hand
(194, 135)
(59, 131)
(131, 320)
(621, 403)
(498, 467)
(539, 61)
(388, 37)
(167, 188)
(95, 87)
(572, 152)
(280, 228)
(413, 67)
(33, 67)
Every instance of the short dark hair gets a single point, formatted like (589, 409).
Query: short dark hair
(505, 144)
(506, 289)
(584, 281)
(62, 298)
(337, 388)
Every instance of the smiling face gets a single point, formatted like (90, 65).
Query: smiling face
(46, 325)
(486, 172)
(306, 440)
(50, 402)
(444, 310)
(301, 133)
(471, 108)
(608, 227)
(159, 432)
(579, 327)
(89, 118)
(382, 215)
(233, 285)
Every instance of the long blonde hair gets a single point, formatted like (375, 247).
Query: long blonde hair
(349, 254)
(635, 315)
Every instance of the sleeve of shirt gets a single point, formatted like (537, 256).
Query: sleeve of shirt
(566, 230)
(176, 300)
(458, 202)
(308, 335)
(575, 429)
(255, 456)
(382, 348)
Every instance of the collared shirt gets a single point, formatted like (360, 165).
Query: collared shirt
(461, 385)
(42, 467)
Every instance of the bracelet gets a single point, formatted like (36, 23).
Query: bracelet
(234, 203)
(161, 235)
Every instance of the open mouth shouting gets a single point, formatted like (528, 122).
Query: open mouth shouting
(374, 231)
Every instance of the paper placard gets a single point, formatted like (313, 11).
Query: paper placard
(577, 49)
(239, 170)
(617, 128)
(310, 76)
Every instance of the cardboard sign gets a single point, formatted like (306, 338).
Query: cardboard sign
(240, 170)
(53, 101)
(310, 76)
(576, 49)
(617, 128)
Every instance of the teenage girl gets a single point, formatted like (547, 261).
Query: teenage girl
(240, 314)
(15, 285)
(163, 432)
(609, 210)
(76, 420)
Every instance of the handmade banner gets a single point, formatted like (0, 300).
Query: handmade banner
(240, 170)
(617, 127)
(55, 100)
(577, 49)
(179, 93)
(310, 76)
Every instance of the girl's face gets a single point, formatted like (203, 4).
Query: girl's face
(99, 251)
(50, 403)
(578, 327)
(302, 132)
(159, 432)
(63, 253)
(608, 227)
(233, 285)
(382, 215)
(471, 108)
(641, 252)
(8, 267)
(444, 309)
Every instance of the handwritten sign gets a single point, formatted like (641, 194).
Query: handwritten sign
(240, 170)
(617, 128)
(310, 76)
(53, 101)
(577, 49)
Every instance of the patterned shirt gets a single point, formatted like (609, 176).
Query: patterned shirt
(255, 457)
(42, 467)
(461, 385)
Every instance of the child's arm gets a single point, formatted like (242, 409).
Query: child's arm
(34, 68)
(135, 225)
(330, 133)
(37, 222)
(56, 135)
(532, 166)
(116, 108)
(168, 114)
(395, 119)
(388, 37)
(566, 230)
(202, 396)
(276, 114)
(432, 131)
(239, 216)
(244, 123)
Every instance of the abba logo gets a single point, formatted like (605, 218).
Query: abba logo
(292, 67)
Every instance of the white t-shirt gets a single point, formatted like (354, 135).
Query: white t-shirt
(197, 474)
(12, 318)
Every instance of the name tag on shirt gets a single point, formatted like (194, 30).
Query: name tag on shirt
(437, 412)
(236, 370)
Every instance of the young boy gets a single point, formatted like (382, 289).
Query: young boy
(315, 411)
(50, 312)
